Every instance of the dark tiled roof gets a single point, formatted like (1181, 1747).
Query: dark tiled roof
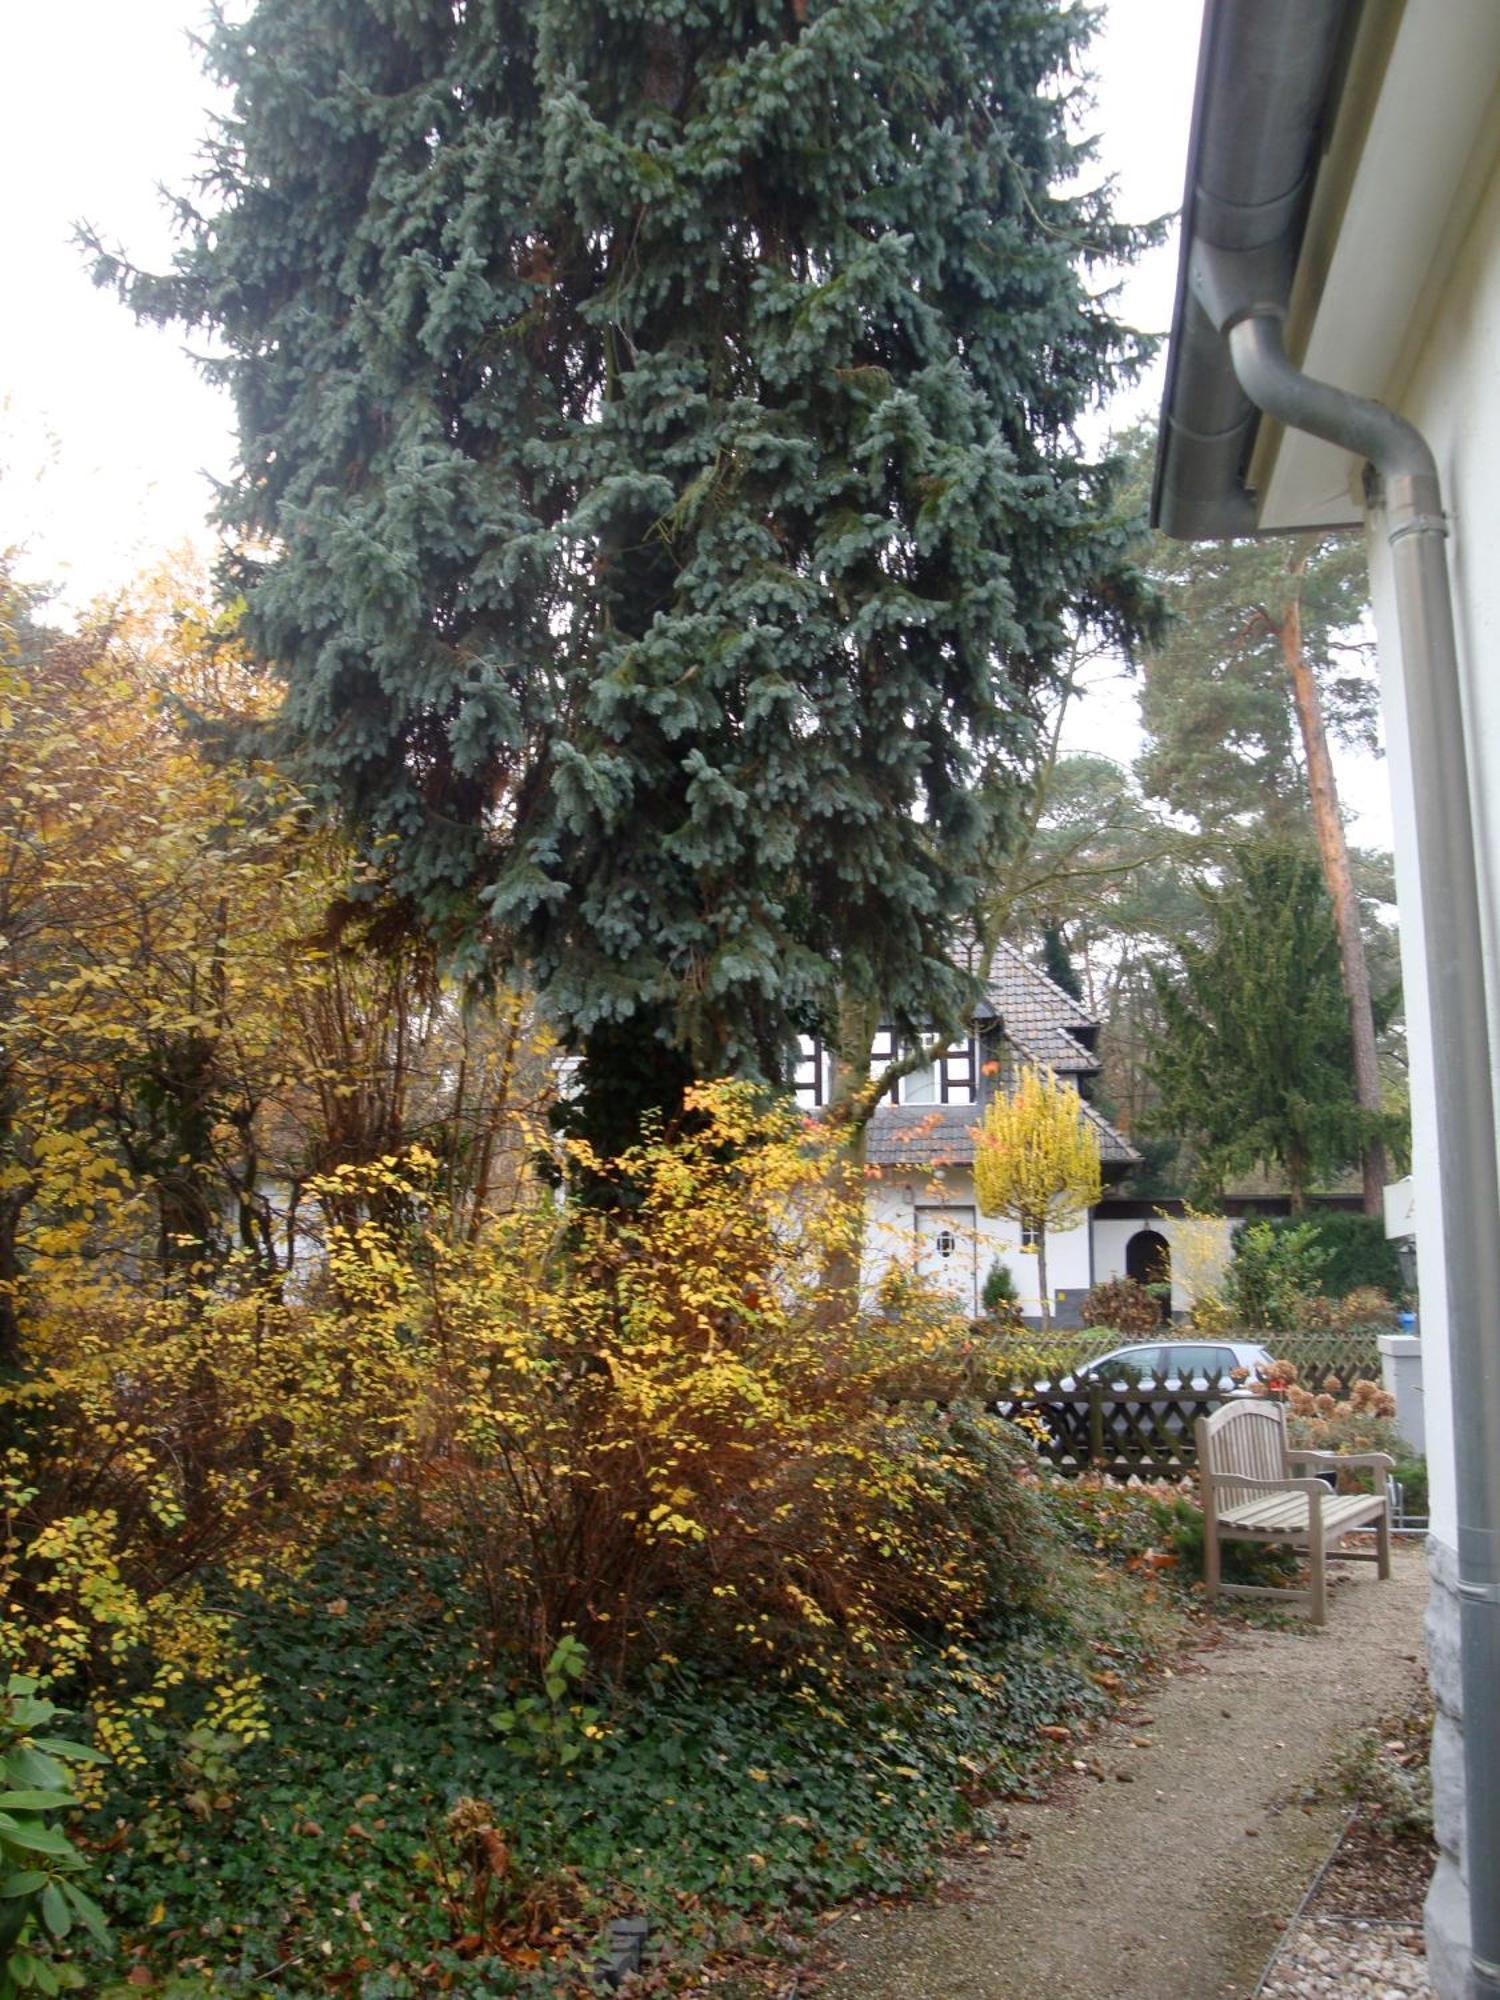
(935, 1135)
(1114, 1148)
(1039, 1019)
(1040, 1025)
(921, 1135)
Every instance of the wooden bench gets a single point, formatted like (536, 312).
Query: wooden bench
(1249, 1494)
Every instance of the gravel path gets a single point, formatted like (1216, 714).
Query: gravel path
(1345, 1958)
(1165, 1869)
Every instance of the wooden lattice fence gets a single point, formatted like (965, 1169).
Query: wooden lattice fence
(1347, 1357)
(1144, 1431)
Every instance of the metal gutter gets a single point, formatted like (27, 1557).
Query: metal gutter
(1264, 74)
(1250, 176)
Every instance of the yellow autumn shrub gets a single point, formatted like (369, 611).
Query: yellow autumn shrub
(658, 1424)
(665, 1422)
(187, 1041)
(159, 1453)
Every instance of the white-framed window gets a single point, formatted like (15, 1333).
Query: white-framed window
(947, 1079)
(813, 1080)
(882, 1055)
(958, 1072)
(921, 1086)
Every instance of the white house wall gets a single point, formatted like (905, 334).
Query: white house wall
(893, 1236)
(1199, 1252)
(1450, 388)
(1422, 165)
(1453, 396)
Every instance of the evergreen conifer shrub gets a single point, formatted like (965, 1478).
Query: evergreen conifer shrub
(660, 487)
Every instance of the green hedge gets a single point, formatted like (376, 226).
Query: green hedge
(1351, 1250)
(1358, 1251)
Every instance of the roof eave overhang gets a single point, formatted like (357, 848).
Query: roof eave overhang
(1269, 74)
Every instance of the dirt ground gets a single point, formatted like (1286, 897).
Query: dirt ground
(1165, 1869)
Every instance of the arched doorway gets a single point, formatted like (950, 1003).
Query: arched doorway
(1148, 1259)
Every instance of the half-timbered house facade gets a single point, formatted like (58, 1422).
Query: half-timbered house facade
(922, 1211)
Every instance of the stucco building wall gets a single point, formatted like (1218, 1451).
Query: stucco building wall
(908, 1212)
(1199, 1251)
(1452, 393)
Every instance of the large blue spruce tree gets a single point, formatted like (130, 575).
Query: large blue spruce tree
(659, 486)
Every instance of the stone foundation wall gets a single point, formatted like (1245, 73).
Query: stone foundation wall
(1447, 1912)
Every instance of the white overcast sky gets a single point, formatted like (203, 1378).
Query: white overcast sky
(109, 439)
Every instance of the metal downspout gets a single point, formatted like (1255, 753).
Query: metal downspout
(1405, 474)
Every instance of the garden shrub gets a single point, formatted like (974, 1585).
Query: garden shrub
(1158, 1530)
(1412, 1474)
(1129, 1308)
(1201, 1252)
(1030, 1357)
(985, 1499)
(651, 1426)
(1261, 1564)
(1282, 1263)
(157, 1446)
(999, 1298)
(659, 1423)
(1357, 1253)
(1367, 1306)
(1273, 1269)
(1362, 1315)
(1321, 1420)
(309, 1563)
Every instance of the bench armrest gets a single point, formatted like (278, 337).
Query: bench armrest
(1373, 1461)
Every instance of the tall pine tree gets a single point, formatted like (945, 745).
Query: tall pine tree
(1252, 1059)
(1265, 657)
(659, 486)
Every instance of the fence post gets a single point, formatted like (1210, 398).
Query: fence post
(1096, 1421)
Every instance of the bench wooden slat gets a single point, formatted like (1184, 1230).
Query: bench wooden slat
(1290, 1511)
(1276, 1513)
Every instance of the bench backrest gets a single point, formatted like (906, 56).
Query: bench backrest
(1246, 1438)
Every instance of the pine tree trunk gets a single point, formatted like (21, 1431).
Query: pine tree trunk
(1297, 1174)
(1333, 852)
